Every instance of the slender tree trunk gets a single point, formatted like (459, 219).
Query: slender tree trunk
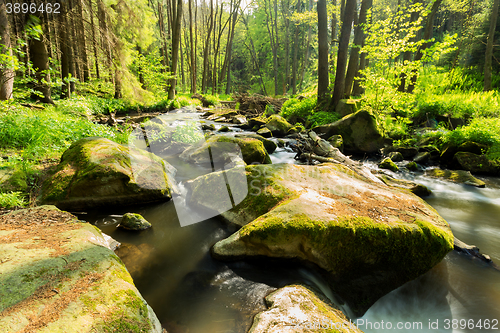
(73, 46)
(176, 39)
(94, 40)
(339, 85)
(6, 67)
(489, 46)
(83, 42)
(295, 53)
(105, 36)
(254, 55)
(333, 36)
(65, 51)
(286, 19)
(323, 79)
(192, 53)
(407, 56)
(359, 37)
(207, 48)
(306, 57)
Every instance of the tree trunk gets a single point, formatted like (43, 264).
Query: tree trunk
(333, 37)
(65, 51)
(427, 35)
(94, 40)
(192, 53)
(176, 38)
(359, 37)
(254, 56)
(83, 42)
(207, 48)
(489, 46)
(339, 85)
(323, 79)
(40, 60)
(295, 53)
(6, 66)
(306, 57)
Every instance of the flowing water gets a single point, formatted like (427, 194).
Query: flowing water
(191, 292)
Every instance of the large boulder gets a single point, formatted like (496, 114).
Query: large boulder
(59, 275)
(371, 237)
(478, 164)
(97, 172)
(278, 125)
(359, 132)
(298, 308)
(224, 148)
(268, 144)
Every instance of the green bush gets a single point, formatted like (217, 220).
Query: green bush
(211, 100)
(481, 130)
(294, 109)
(319, 118)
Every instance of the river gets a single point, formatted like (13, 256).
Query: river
(191, 292)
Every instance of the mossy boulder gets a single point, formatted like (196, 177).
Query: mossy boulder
(133, 221)
(388, 164)
(407, 152)
(299, 308)
(264, 132)
(456, 176)
(412, 166)
(354, 228)
(347, 106)
(478, 164)
(422, 157)
(96, 172)
(59, 275)
(221, 149)
(268, 144)
(396, 156)
(359, 131)
(278, 125)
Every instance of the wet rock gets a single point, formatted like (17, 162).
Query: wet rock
(62, 277)
(97, 172)
(387, 163)
(396, 156)
(265, 132)
(456, 176)
(479, 164)
(413, 187)
(224, 149)
(422, 157)
(252, 122)
(407, 152)
(224, 129)
(346, 107)
(359, 132)
(299, 308)
(137, 258)
(206, 127)
(268, 144)
(293, 130)
(472, 147)
(350, 226)
(412, 166)
(133, 221)
(278, 125)
(240, 120)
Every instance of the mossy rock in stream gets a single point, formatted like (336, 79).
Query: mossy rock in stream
(278, 125)
(96, 172)
(387, 163)
(359, 131)
(477, 164)
(372, 237)
(222, 148)
(300, 309)
(133, 221)
(456, 176)
(59, 275)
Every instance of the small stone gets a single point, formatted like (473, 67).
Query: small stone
(265, 132)
(412, 166)
(133, 221)
(387, 163)
(396, 156)
(224, 129)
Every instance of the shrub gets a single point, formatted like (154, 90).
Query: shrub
(294, 109)
(319, 118)
(481, 130)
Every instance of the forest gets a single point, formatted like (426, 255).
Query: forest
(407, 62)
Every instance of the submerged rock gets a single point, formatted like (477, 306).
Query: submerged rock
(371, 237)
(413, 187)
(58, 275)
(456, 176)
(359, 131)
(222, 149)
(97, 172)
(298, 308)
(133, 221)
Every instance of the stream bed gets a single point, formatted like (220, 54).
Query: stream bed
(191, 292)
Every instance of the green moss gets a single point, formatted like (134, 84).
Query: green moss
(387, 163)
(351, 242)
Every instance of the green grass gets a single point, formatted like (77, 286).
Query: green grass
(12, 200)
